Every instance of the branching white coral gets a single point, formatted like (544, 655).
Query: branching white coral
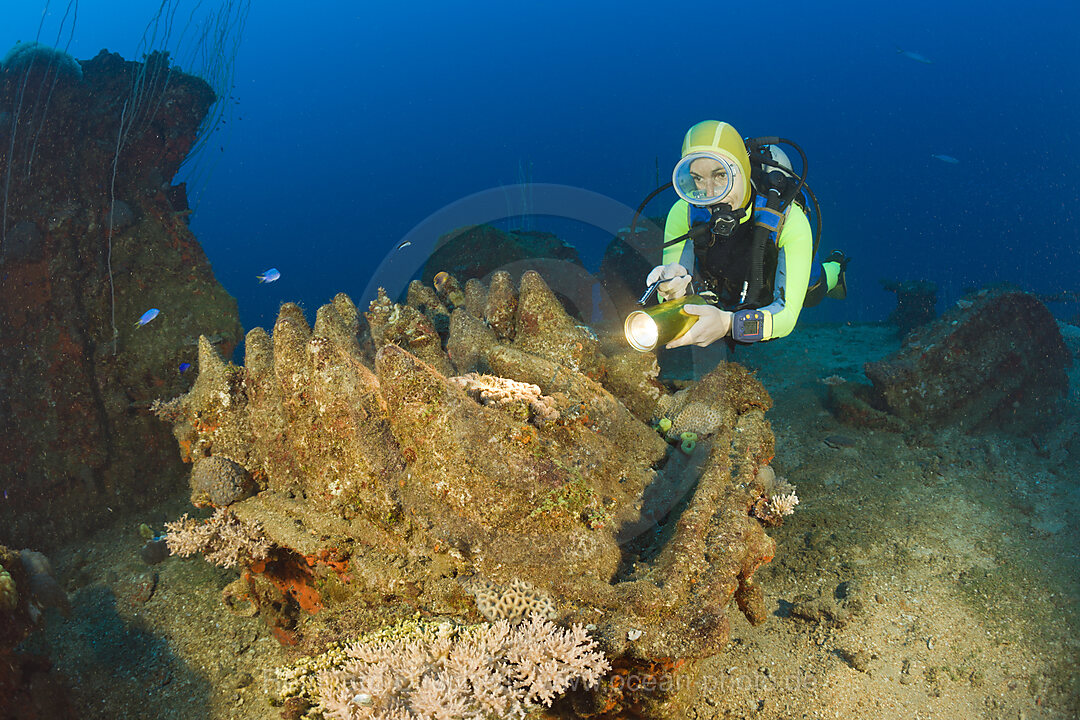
(777, 498)
(223, 539)
(783, 504)
(492, 672)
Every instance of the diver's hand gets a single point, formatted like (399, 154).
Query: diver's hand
(675, 280)
(712, 324)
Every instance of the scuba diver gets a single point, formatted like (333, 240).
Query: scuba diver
(741, 227)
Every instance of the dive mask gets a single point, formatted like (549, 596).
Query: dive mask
(704, 178)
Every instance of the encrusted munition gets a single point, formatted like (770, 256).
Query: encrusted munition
(368, 451)
(218, 481)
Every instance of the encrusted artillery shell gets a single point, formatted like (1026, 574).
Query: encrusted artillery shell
(501, 304)
(475, 297)
(291, 335)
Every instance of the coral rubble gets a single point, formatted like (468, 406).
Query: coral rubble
(411, 469)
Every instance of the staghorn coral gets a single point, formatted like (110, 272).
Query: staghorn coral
(223, 539)
(523, 400)
(512, 602)
(545, 660)
(493, 672)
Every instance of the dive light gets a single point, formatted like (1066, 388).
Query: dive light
(660, 324)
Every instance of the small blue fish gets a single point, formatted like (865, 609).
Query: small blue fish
(184, 367)
(269, 276)
(914, 56)
(147, 317)
(946, 159)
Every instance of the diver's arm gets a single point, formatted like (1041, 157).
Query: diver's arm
(796, 246)
(677, 225)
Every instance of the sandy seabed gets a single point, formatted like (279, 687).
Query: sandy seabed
(923, 575)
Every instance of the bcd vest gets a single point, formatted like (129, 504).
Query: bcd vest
(724, 263)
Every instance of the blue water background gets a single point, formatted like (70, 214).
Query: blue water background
(351, 123)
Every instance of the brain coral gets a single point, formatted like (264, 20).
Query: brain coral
(707, 406)
(219, 481)
(512, 602)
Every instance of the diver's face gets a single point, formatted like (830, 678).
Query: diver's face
(711, 177)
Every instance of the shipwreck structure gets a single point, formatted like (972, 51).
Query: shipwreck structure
(995, 361)
(94, 233)
(473, 450)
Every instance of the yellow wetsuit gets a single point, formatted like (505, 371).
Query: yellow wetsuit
(795, 257)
